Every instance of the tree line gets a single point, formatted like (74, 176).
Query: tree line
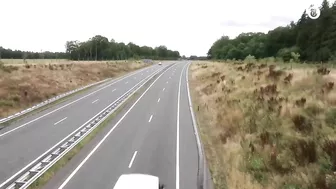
(100, 48)
(17, 54)
(309, 40)
(96, 48)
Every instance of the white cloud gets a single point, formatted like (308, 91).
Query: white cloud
(189, 26)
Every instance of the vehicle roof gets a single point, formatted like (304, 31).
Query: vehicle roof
(131, 181)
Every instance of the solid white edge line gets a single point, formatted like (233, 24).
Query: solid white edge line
(60, 121)
(150, 119)
(201, 160)
(130, 164)
(23, 125)
(178, 133)
(95, 101)
(110, 131)
(62, 140)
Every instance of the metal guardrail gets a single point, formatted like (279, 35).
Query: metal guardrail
(26, 177)
(51, 100)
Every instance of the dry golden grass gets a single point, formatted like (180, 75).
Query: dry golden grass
(23, 86)
(266, 126)
(33, 61)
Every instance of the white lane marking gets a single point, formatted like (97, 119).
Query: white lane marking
(49, 150)
(167, 81)
(114, 90)
(150, 119)
(159, 100)
(95, 101)
(169, 77)
(130, 164)
(126, 82)
(110, 131)
(23, 125)
(134, 77)
(163, 89)
(178, 134)
(60, 121)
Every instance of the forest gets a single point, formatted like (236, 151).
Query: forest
(96, 48)
(306, 40)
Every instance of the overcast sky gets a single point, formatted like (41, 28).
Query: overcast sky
(189, 26)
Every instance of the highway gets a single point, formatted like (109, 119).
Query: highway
(154, 135)
(28, 138)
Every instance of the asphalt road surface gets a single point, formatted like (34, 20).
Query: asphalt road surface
(25, 140)
(152, 136)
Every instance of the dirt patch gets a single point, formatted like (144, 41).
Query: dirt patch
(266, 126)
(23, 86)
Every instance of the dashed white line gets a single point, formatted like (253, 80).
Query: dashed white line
(44, 115)
(107, 135)
(169, 77)
(150, 119)
(114, 90)
(167, 81)
(126, 82)
(95, 101)
(130, 164)
(163, 89)
(159, 100)
(60, 121)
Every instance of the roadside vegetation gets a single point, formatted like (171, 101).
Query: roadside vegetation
(23, 86)
(27, 78)
(267, 127)
(266, 106)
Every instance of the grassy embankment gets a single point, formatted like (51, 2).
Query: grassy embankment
(23, 85)
(267, 125)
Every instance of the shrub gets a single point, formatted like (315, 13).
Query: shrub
(330, 117)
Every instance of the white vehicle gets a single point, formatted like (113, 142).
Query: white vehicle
(160, 63)
(131, 181)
